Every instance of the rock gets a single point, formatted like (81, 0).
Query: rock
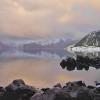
(63, 64)
(62, 96)
(80, 63)
(76, 90)
(48, 95)
(58, 85)
(45, 89)
(19, 90)
(84, 95)
(52, 94)
(69, 63)
(68, 92)
(76, 83)
(90, 87)
(2, 92)
(97, 97)
(80, 83)
(72, 88)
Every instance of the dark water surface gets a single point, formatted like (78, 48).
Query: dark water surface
(41, 69)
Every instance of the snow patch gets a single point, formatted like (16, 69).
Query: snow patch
(89, 49)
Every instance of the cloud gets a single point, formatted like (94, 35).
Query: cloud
(48, 19)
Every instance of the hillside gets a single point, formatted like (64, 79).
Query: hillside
(92, 39)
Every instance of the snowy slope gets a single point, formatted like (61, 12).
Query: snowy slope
(92, 39)
(90, 43)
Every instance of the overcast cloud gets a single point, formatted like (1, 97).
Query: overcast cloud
(49, 18)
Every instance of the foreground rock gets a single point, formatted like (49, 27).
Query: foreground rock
(77, 90)
(72, 91)
(17, 90)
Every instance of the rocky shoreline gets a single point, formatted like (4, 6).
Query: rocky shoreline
(80, 63)
(77, 90)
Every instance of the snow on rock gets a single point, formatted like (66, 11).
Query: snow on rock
(85, 49)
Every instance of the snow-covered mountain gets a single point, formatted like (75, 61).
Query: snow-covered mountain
(31, 46)
(90, 43)
(92, 39)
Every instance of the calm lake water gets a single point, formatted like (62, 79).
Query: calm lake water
(41, 69)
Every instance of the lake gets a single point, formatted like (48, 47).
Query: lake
(41, 69)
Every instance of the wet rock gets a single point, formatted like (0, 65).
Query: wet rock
(80, 63)
(82, 59)
(63, 64)
(69, 64)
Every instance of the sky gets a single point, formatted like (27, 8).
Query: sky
(47, 19)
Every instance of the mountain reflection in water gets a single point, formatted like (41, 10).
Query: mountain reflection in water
(82, 61)
(41, 68)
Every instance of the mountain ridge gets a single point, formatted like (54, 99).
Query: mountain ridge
(92, 39)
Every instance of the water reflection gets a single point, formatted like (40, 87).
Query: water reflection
(36, 68)
(88, 54)
(37, 53)
(82, 61)
(41, 69)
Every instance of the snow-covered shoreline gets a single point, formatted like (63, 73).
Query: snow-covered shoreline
(90, 49)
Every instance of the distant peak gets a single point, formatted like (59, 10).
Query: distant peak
(95, 32)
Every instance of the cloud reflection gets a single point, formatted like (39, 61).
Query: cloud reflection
(43, 72)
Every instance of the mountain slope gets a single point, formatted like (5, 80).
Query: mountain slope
(92, 39)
